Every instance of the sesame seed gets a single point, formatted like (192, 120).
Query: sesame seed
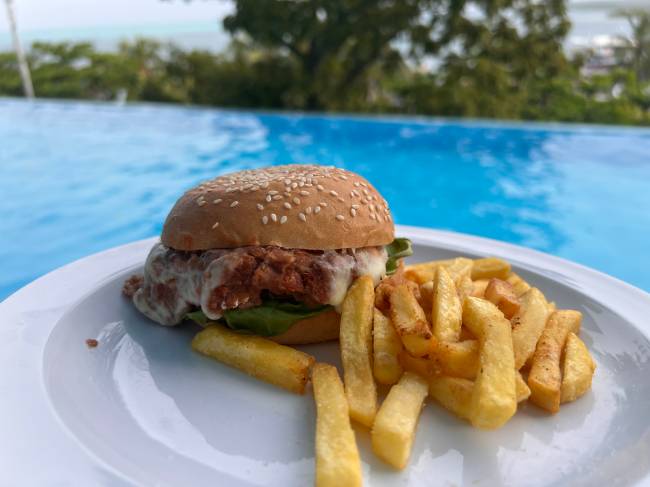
(365, 191)
(294, 185)
(269, 198)
(304, 193)
(317, 209)
(217, 201)
(364, 185)
(340, 218)
(356, 207)
(296, 200)
(200, 202)
(320, 188)
(287, 205)
(272, 192)
(234, 203)
(287, 182)
(344, 177)
(357, 184)
(230, 190)
(334, 193)
(341, 199)
(323, 203)
(283, 219)
(260, 207)
(274, 217)
(372, 207)
(264, 185)
(302, 217)
(372, 215)
(265, 219)
(353, 212)
(277, 197)
(255, 188)
(308, 210)
(216, 224)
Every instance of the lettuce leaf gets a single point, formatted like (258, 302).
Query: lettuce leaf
(272, 317)
(397, 249)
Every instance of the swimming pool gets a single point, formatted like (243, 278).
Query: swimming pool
(78, 177)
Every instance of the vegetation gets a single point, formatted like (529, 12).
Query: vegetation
(479, 58)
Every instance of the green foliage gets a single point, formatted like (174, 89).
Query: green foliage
(460, 58)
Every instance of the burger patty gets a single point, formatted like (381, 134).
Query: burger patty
(175, 282)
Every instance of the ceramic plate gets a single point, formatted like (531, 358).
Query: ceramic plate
(143, 409)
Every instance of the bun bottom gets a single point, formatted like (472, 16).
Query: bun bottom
(320, 328)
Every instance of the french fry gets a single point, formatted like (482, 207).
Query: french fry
(452, 393)
(456, 359)
(446, 310)
(386, 348)
(423, 271)
(518, 284)
(479, 287)
(578, 369)
(356, 350)
(523, 391)
(528, 324)
(465, 287)
(457, 269)
(394, 429)
(494, 398)
(426, 297)
(419, 365)
(490, 267)
(502, 294)
(410, 321)
(337, 456)
(261, 358)
(544, 378)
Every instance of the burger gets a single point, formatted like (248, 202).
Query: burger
(270, 252)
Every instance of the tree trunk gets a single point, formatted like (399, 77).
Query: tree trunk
(25, 77)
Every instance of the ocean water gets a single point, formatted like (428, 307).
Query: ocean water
(78, 177)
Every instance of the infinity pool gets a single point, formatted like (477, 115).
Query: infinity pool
(76, 178)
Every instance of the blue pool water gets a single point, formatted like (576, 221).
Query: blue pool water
(76, 178)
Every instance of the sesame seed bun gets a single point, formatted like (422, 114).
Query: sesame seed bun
(295, 206)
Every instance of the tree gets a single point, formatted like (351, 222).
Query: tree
(487, 46)
(636, 47)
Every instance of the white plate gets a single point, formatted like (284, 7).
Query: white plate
(143, 409)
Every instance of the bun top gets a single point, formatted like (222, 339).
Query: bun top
(295, 206)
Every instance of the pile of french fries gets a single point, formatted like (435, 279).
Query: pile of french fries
(470, 334)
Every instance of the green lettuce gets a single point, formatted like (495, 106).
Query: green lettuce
(397, 249)
(272, 317)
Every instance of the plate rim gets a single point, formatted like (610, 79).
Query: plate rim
(630, 302)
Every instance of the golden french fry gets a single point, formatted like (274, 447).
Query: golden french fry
(337, 456)
(578, 370)
(502, 294)
(479, 287)
(356, 350)
(528, 324)
(494, 398)
(426, 297)
(518, 284)
(456, 359)
(465, 287)
(423, 271)
(394, 429)
(386, 348)
(410, 321)
(457, 269)
(490, 267)
(544, 378)
(419, 365)
(523, 391)
(452, 393)
(266, 360)
(446, 310)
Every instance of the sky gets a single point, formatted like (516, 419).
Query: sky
(198, 23)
